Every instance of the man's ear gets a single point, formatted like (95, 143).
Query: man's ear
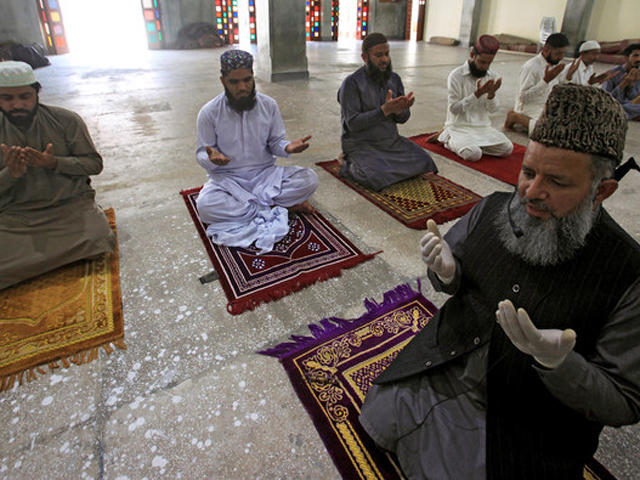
(222, 80)
(365, 57)
(605, 190)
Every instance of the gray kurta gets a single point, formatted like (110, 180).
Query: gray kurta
(48, 217)
(376, 156)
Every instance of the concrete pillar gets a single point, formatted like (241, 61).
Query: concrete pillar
(575, 23)
(19, 22)
(469, 21)
(282, 47)
(325, 21)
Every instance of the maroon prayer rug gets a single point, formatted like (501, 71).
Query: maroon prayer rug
(313, 250)
(414, 201)
(332, 370)
(506, 169)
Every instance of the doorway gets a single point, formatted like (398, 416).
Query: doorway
(104, 29)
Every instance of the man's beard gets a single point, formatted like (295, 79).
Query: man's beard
(24, 119)
(475, 71)
(242, 104)
(377, 75)
(552, 61)
(545, 242)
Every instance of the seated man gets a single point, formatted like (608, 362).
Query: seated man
(624, 85)
(525, 398)
(373, 102)
(538, 76)
(581, 70)
(48, 213)
(240, 132)
(472, 97)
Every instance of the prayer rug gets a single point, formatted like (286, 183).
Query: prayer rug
(414, 201)
(331, 372)
(506, 169)
(61, 317)
(313, 250)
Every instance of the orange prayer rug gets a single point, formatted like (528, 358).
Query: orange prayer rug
(414, 201)
(332, 369)
(60, 318)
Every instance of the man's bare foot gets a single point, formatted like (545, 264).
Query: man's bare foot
(433, 138)
(341, 159)
(510, 121)
(304, 207)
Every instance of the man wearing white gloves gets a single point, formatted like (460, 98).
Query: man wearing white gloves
(527, 396)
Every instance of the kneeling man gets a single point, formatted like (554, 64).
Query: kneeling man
(373, 102)
(247, 197)
(48, 213)
(472, 97)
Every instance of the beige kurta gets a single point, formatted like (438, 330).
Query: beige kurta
(48, 217)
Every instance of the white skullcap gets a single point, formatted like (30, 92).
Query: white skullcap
(16, 74)
(589, 45)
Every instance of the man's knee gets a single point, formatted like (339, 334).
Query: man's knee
(471, 154)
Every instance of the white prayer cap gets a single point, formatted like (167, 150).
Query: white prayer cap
(16, 74)
(589, 45)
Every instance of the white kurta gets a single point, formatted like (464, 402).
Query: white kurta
(237, 199)
(532, 91)
(582, 75)
(468, 127)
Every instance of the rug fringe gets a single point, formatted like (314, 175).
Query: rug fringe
(238, 306)
(80, 358)
(328, 326)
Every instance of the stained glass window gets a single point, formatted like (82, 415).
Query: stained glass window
(153, 22)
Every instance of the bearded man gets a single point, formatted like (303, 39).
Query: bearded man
(581, 71)
(527, 396)
(48, 213)
(624, 83)
(373, 102)
(471, 98)
(538, 76)
(247, 197)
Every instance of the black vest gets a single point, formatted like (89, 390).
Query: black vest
(530, 434)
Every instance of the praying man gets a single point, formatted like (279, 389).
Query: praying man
(472, 97)
(247, 198)
(48, 213)
(373, 102)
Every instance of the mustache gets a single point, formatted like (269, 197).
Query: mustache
(538, 204)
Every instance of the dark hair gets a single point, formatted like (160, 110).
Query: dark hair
(557, 40)
(630, 49)
(372, 40)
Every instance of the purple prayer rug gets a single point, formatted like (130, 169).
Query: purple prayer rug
(332, 369)
(312, 251)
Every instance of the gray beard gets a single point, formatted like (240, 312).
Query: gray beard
(549, 242)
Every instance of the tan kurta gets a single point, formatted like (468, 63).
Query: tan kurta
(48, 217)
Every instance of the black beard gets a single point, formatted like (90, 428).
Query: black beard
(24, 120)
(475, 71)
(551, 61)
(242, 104)
(377, 75)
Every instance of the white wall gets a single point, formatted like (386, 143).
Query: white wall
(520, 17)
(443, 18)
(613, 20)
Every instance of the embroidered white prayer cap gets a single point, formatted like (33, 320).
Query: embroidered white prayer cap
(589, 45)
(16, 74)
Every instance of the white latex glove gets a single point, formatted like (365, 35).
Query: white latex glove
(549, 347)
(437, 254)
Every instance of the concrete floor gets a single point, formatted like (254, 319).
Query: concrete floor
(190, 398)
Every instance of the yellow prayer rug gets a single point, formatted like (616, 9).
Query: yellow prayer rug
(61, 317)
(332, 370)
(414, 201)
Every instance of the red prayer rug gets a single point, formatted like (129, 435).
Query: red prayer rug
(313, 250)
(332, 370)
(414, 201)
(506, 169)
